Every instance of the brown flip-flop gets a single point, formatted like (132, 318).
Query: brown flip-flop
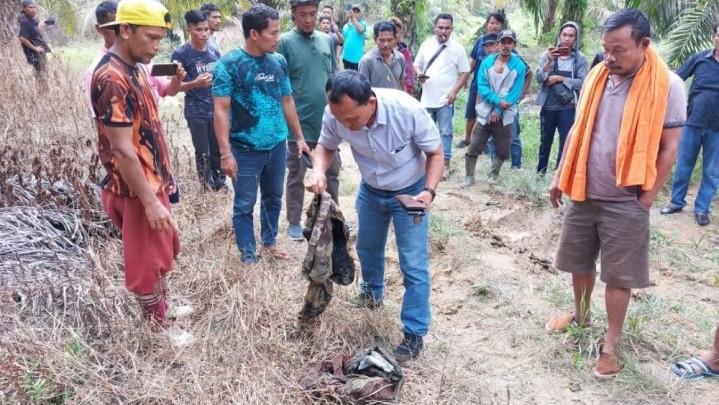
(277, 253)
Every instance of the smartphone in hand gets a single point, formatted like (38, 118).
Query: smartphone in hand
(564, 51)
(164, 69)
(411, 205)
(306, 159)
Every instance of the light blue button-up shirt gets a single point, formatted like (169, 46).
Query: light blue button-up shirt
(391, 152)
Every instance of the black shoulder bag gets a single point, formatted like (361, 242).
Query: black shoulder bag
(564, 95)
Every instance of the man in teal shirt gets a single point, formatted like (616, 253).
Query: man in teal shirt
(253, 110)
(310, 62)
(354, 38)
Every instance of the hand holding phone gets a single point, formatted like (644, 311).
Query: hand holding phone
(306, 159)
(164, 69)
(411, 205)
(564, 51)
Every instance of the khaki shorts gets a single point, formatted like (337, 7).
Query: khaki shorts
(617, 229)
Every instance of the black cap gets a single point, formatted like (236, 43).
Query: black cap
(489, 38)
(507, 34)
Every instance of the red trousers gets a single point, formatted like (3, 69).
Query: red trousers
(147, 254)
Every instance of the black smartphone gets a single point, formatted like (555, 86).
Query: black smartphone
(422, 76)
(348, 7)
(306, 159)
(410, 204)
(50, 21)
(164, 69)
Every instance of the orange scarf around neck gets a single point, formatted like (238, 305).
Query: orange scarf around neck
(640, 133)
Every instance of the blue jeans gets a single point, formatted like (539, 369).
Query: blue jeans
(549, 122)
(265, 169)
(443, 117)
(515, 149)
(695, 138)
(375, 209)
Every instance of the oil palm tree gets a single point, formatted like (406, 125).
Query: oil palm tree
(691, 31)
(9, 13)
(413, 14)
(545, 12)
(683, 27)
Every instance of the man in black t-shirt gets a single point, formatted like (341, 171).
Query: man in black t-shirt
(198, 59)
(33, 43)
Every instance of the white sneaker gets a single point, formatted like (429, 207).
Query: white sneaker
(178, 336)
(179, 311)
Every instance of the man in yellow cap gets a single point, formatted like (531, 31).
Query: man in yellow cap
(132, 148)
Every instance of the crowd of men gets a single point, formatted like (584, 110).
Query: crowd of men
(281, 103)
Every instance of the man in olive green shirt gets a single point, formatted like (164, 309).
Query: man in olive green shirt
(310, 60)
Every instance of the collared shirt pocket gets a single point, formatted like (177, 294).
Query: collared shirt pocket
(401, 155)
(327, 62)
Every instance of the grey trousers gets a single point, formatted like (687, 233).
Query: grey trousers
(502, 139)
(295, 188)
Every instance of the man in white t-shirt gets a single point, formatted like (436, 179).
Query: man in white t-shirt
(442, 79)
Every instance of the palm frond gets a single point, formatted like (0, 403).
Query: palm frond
(691, 32)
(535, 8)
(66, 13)
(599, 10)
(177, 8)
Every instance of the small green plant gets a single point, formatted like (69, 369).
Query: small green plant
(526, 185)
(480, 290)
(441, 228)
(77, 347)
(35, 385)
(579, 362)
(635, 323)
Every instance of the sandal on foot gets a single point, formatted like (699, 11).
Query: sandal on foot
(560, 323)
(175, 312)
(607, 365)
(179, 337)
(694, 369)
(277, 253)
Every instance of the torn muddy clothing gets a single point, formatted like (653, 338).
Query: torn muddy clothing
(327, 259)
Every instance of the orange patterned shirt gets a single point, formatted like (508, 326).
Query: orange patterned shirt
(122, 97)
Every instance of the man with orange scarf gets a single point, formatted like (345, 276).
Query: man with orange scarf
(616, 159)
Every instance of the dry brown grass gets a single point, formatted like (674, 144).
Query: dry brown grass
(71, 334)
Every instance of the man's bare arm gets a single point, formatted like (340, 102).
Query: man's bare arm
(555, 194)
(293, 121)
(432, 174)
(222, 133)
(461, 82)
(130, 168)
(321, 160)
(30, 45)
(668, 145)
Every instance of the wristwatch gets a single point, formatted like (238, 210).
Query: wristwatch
(430, 191)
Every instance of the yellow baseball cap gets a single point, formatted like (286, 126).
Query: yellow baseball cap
(148, 13)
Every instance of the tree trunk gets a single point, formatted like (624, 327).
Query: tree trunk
(9, 13)
(407, 11)
(550, 16)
